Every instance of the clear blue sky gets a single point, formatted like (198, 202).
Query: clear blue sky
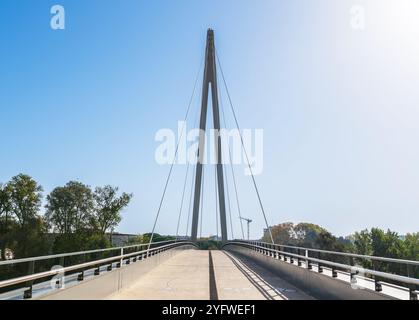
(339, 107)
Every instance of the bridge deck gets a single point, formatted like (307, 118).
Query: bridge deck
(203, 275)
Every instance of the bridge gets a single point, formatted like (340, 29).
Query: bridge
(239, 270)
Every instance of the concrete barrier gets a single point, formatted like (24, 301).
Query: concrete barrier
(102, 286)
(317, 285)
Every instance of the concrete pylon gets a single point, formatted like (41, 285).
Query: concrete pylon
(210, 78)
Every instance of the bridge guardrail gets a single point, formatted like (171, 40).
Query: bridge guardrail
(77, 253)
(275, 251)
(121, 257)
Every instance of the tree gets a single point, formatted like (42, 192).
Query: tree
(25, 199)
(145, 238)
(307, 234)
(281, 233)
(5, 204)
(386, 244)
(412, 246)
(69, 209)
(80, 241)
(326, 241)
(108, 206)
(303, 234)
(5, 212)
(26, 228)
(363, 242)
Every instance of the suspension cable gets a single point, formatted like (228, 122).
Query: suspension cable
(190, 203)
(232, 173)
(202, 201)
(181, 203)
(225, 174)
(174, 159)
(244, 149)
(229, 205)
(193, 177)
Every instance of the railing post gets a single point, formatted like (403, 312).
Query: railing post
(298, 259)
(413, 294)
(377, 283)
(308, 263)
(121, 260)
(27, 294)
(334, 273)
(378, 286)
(353, 277)
(144, 255)
(319, 266)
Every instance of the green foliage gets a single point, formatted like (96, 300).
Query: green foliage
(70, 208)
(307, 234)
(375, 242)
(5, 200)
(22, 227)
(303, 235)
(81, 241)
(145, 238)
(82, 217)
(25, 198)
(281, 233)
(386, 244)
(362, 243)
(108, 207)
(411, 246)
(77, 216)
(209, 244)
(5, 217)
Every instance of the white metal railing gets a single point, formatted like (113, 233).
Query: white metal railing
(78, 253)
(346, 254)
(276, 251)
(143, 253)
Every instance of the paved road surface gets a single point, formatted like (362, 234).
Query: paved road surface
(203, 275)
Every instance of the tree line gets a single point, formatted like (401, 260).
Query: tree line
(76, 217)
(374, 242)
